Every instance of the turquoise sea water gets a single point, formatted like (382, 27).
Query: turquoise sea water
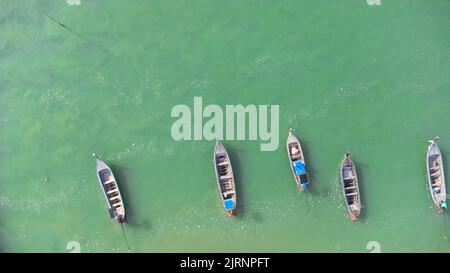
(346, 75)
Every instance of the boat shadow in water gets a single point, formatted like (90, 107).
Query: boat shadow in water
(122, 176)
(446, 176)
(446, 167)
(360, 171)
(237, 172)
(310, 169)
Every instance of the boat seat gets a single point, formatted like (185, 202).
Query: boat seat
(227, 193)
(117, 204)
(227, 184)
(113, 191)
(114, 198)
(224, 177)
(351, 194)
(107, 182)
(351, 187)
(223, 163)
(437, 182)
(436, 174)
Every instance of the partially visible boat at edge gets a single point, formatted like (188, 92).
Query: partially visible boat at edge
(436, 179)
(225, 179)
(350, 187)
(110, 190)
(297, 162)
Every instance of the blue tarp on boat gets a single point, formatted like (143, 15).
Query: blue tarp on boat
(299, 168)
(229, 204)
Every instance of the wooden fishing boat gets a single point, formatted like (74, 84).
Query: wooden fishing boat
(225, 179)
(436, 179)
(297, 162)
(111, 190)
(350, 187)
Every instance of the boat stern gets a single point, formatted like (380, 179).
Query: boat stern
(230, 207)
(442, 207)
(303, 187)
(353, 217)
(231, 213)
(121, 219)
